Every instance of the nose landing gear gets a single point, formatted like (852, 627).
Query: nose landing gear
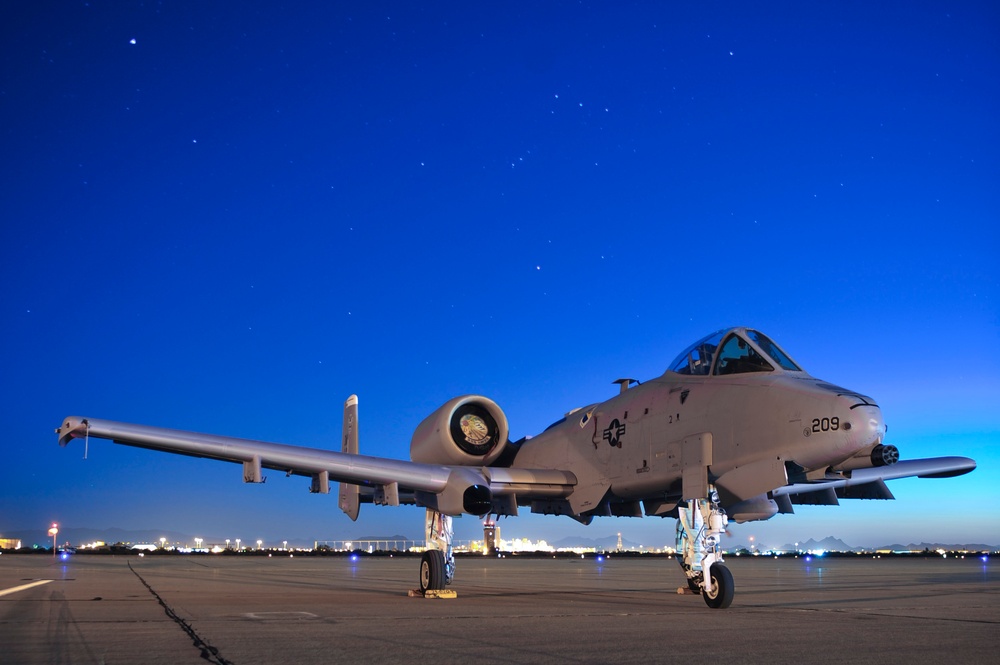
(700, 525)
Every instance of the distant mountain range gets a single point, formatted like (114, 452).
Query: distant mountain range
(915, 547)
(828, 544)
(831, 544)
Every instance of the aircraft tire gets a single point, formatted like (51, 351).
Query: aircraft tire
(432, 572)
(722, 588)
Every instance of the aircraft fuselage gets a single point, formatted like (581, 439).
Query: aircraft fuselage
(639, 443)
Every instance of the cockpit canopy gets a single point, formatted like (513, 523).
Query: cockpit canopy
(733, 351)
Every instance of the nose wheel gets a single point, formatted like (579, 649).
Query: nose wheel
(721, 594)
(700, 525)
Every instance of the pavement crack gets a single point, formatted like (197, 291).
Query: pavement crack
(208, 652)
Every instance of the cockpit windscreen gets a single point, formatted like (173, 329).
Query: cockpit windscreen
(697, 359)
(738, 357)
(772, 350)
(728, 352)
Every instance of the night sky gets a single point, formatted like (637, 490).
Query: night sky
(228, 217)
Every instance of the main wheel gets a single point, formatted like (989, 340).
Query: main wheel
(721, 596)
(432, 574)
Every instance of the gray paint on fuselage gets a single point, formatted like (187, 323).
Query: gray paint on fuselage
(750, 417)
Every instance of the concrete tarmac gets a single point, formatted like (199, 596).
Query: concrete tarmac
(249, 609)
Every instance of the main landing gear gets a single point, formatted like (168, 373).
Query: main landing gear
(437, 565)
(700, 526)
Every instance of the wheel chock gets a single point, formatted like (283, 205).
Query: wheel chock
(432, 593)
(685, 591)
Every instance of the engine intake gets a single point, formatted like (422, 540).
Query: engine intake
(467, 430)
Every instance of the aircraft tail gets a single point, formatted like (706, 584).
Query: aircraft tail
(349, 492)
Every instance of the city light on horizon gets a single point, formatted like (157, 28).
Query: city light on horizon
(522, 540)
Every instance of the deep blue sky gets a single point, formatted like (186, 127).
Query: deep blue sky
(229, 217)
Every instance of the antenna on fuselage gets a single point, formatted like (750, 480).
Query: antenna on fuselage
(623, 384)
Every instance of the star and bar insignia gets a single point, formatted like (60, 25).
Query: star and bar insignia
(614, 432)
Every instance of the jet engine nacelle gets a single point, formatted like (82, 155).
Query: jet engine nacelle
(469, 430)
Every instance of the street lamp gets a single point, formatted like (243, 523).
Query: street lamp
(197, 542)
(163, 543)
(259, 543)
(237, 544)
(227, 543)
(284, 544)
(52, 532)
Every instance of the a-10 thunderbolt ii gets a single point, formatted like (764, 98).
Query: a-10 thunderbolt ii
(734, 430)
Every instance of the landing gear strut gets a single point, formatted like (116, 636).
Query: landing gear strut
(700, 526)
(437, 566)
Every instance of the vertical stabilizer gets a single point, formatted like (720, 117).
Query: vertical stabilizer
(349, 492)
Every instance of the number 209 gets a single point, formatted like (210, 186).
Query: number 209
(826, 424)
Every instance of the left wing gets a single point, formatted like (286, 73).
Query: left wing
(257, 455)
(869, 483)
(448, 489)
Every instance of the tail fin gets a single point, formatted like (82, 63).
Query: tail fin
(349, 501)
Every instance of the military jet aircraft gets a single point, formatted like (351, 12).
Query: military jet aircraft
(734, 429)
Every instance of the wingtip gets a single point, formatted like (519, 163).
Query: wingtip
(952, 467)
(73, 427)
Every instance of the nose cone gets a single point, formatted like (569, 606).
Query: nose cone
(872, 424)
(865, 426)
(860, 418)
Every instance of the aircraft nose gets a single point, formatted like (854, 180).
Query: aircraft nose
(872, 426)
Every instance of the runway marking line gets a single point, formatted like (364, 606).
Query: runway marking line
(15, 589)
(280, 615)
